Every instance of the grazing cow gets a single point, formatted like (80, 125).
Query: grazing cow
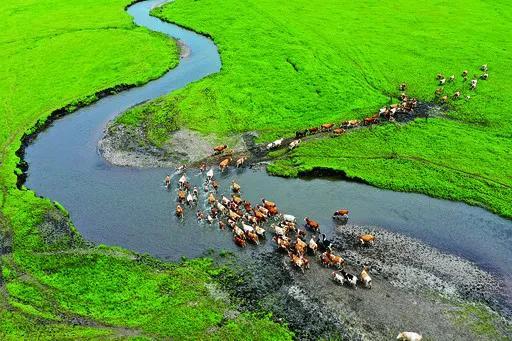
(338, 131)
(464, 73)
(365, 278)
(300, 133)
(456, 95)
(179, 211)
(350, 279)
(451, 79)
(224, 164)
(366, 239)
(293, 144)
(444, 99)
(209, 174)
(439, 91)
(219, 149)
(235, 187)
(313, 225)
(474, 82)
(484, 67)
(312, 245)
(409, 336)
(484, 76)
(338, 278)
(442, 81)
(241, 161)
(402, 87)
(239, 241)
(439, 76)
(327, 126)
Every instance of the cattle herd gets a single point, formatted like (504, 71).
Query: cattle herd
(252, 223)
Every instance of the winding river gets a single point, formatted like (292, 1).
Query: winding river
(129, 207)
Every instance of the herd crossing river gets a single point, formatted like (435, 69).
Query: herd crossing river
(130, 207)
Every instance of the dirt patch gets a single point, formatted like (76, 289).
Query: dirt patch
(415, 287)
(128, 146)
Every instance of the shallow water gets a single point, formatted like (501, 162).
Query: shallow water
(131, 208)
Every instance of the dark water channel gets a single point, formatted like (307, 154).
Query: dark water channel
(130, 207)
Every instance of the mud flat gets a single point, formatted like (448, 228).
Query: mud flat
(415, 288)
(129, 146)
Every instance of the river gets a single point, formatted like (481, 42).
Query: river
(130, 207)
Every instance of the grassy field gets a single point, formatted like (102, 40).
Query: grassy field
(53, 285)
(326, 61)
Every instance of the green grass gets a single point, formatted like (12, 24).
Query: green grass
(57, 54)
(292, 65)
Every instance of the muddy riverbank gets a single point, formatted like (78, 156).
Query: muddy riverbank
(130, 146)
(415, 288)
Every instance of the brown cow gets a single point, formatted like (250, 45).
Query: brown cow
(366, 239)
(219, 149)
(370, 120)
(327, 126)
(179, 211)
(313, 130)
(312, 224)
(338, 131)
(224, 164)
(239, 241)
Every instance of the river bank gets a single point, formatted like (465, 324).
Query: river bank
(415, 287)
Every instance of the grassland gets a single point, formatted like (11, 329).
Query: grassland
(327, 61)
(53, 285)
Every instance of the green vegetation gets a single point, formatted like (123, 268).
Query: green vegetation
(482, 321)
(292, 65)
(57, 54)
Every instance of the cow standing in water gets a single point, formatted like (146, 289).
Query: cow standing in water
(167, 182)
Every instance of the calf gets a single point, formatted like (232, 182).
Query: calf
(338, 278)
